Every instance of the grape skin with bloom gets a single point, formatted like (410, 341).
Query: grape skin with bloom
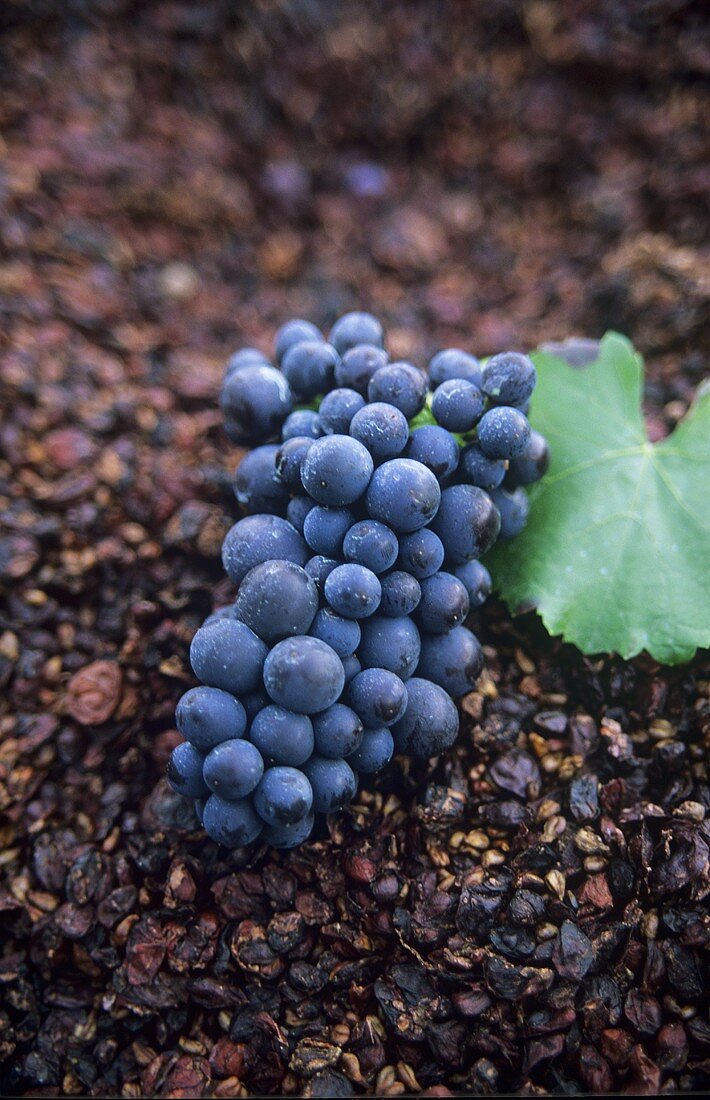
(355, 573)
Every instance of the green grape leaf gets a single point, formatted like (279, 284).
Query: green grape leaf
(616, 554)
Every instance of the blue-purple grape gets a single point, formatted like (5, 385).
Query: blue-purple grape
(256, 539)
(302, 422)
(351, 667)
(319, 568)
(337, 470)
(297, 510)
(229, 611)
(375, 752)
(282, 736)
(245, 357)
(289, 460)
(457, 405)
(531, 465)
(513, 507)
(453, 661)
(401, 385)
(293, 332)
(503, 432)
(356, 328)
(337, 731)
(289, 836)
(185, 771)
(421, 553)
(378, 697)
(233, 824)
(430, 723)
(382, 429)
(342, 635)
(232, 769)
(277, 598)
(475, 468)
(401, 592)
(467, 523)
(333, 782)
(358, 365)
(509, 378)
(435, 448)
(255, 400)
(477, 581)
(309, 368)
(324, 529)
(256, 485)
(352, 591)
(390, 643)
(372, 544)
(454, 363)
(205, 716)
(283, 797)
(337, 410)
(403, 494)
(444, 604)
(227, 654)
(303, 674)
(254, 702)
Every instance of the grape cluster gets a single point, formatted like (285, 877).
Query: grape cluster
(372, 490)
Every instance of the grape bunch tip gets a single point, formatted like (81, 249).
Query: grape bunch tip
(372, 489)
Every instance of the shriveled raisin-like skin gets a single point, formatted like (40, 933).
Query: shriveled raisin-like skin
(93, 693)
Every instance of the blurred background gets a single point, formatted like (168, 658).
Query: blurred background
(185, 176)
